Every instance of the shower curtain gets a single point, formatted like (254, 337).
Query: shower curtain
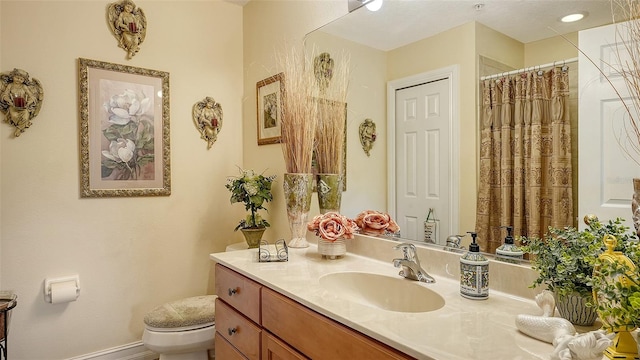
(525, 156)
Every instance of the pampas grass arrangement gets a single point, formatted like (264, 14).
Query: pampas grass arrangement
(330, 129)
(628, 68)
(626, 17)
(298, 112)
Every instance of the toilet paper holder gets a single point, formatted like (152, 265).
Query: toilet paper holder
(48, 282)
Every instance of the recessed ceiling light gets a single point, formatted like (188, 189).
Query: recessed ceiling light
(374, 5)
(573, 17)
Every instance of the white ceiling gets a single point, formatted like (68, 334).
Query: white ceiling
(401, 22)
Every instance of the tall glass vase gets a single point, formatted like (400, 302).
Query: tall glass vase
(297, 194)
(329, 192)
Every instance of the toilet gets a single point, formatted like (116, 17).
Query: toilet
(182, 329)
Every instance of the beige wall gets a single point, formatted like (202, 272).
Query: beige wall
(132, 254)
(499, 47)
(551, 49)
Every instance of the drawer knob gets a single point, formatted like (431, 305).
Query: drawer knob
(233, 291)
(232, 331)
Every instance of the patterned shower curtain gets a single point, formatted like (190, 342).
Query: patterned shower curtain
(525, 156)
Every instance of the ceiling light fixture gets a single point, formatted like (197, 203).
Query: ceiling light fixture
(374, 5)
(573, 17)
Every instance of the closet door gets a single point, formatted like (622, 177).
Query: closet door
(606, 171)
(422, 157)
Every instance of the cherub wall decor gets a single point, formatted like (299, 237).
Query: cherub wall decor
(20, 99)
(207, 116)
(128, 24)
(367, 135)
(323, 69)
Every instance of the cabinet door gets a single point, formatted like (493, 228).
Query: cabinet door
(274, 349)
(224, 350)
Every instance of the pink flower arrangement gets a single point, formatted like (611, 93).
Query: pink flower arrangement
(376, 223)
(332, 226)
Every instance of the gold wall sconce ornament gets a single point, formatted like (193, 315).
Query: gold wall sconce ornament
(207, 116)
(323, 69)
(20, 99)
(128, 24)
(368, 135)
(614, 283)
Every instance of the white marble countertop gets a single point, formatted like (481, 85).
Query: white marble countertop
(462, 329)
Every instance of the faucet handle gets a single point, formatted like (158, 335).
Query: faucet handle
(408, 250)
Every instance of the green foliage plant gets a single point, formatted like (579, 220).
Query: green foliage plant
(253, 191)
(564, 258)
(619, 300)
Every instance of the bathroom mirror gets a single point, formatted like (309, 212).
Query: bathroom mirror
(400, 22)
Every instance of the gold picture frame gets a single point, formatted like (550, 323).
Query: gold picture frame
(269, 93)
(124, 130)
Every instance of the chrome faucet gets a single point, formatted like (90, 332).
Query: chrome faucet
(453, 243)
(410, 264)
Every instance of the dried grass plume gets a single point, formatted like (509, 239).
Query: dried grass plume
(628, 68)
(625, 16)
(298, 111)
(330, 129)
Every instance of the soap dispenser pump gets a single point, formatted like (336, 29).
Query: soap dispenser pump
(508, 251)
(474, 272)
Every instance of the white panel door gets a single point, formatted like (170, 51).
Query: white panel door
(423, 123)
(605, 171)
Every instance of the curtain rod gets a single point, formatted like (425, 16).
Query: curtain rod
(513, 72)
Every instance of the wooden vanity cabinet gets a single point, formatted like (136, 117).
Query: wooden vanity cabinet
(254, 322)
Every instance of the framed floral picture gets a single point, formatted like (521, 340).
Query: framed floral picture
(269, 101)
(124, 130)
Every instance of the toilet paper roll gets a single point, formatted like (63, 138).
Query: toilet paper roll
(63, 292)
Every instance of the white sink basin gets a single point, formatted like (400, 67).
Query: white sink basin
(382, 292)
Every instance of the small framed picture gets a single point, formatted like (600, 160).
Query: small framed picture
(269, 104)
(124, 130)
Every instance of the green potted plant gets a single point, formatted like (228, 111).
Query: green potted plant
(564, 259)
(616, 294)
(253, 191)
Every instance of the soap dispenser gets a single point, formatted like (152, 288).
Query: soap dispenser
(474, 272)
(508, 251)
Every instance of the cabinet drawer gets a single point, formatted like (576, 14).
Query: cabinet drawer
(317, 336)
(239, 331)
(239, 292)
(225, 351)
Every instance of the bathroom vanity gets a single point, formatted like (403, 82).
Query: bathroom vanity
(283, 325)
(300, 309)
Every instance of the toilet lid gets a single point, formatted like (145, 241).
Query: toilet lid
(193, 312)
(181, 328)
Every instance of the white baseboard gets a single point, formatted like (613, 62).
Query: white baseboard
(133, 351)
